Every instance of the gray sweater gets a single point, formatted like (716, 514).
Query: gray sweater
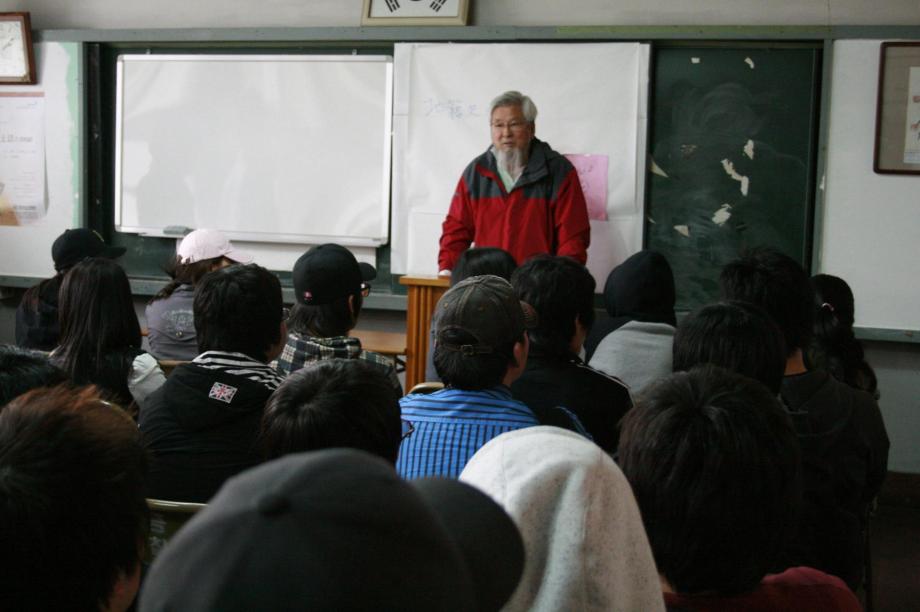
(637, 353)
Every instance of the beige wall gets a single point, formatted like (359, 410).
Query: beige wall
(147, 14)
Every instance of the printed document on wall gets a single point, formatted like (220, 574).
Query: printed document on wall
(22, 158)
(912, 138)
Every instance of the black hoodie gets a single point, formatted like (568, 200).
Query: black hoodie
(201, 427)
(639, 289)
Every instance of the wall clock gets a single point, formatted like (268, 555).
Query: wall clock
(17, 62)
(415, 12)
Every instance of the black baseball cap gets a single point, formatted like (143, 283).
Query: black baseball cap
(328, 272)
(338, 529)
(75, 245)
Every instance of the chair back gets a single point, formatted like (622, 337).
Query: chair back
(166, 518)
(168, 365)
(426, 387)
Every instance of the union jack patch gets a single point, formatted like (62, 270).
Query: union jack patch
(222, 393)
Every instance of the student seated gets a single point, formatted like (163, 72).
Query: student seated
(843, 437)
(561, 291)
(335, 403)
(170, 317)
(480, 349)
(201, 426)
(737, 336)
(73, 517)
(833, 347)
(37, 325)
(338, 530)
(329, 288)
(22, 370)
(586, 547)
(474, 261)
(715, 467)
(633, 342)
(100, 336)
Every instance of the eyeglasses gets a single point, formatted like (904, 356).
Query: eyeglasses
(407, 428)
(365, 290)
(514, 126)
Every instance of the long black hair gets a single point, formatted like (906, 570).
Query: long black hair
(833, 345)
(100, 334)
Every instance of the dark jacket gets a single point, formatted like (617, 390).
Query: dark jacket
(639, 289)
(37, 325)
(598, 400)
(201, 427)
(844, 459)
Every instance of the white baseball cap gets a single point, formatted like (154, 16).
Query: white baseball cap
(207, 244)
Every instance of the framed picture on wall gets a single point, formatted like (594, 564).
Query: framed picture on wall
(897, 120)
(415, 12)
(17, 62)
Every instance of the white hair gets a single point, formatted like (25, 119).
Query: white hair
(515, 98)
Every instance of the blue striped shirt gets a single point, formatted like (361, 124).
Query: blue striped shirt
(452, 424)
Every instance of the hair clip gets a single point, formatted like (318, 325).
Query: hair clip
(828, 306)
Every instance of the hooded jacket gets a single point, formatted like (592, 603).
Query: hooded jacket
(634, 341)
(201, 426)
(585, 544)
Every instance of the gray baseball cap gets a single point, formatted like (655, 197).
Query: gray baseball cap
(486, 308)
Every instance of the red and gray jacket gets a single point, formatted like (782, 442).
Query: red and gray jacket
(545, 212)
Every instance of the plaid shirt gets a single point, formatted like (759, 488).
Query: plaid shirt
(301, 349)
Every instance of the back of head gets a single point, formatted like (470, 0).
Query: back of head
(476, 324)
(326, 530)
(198, 253)
(560, 289)
(737, 336)
(334, 403)
(833, 345)
(329, 286)
(97, 316)
(22, 371)
(715, 466)
(642, 288)
(776, 283)
(483, 260)
(586, 547)
(238, 309)
(75, 245)
(72, 481)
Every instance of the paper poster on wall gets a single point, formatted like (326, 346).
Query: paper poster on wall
(22, 158)
(592, 174)
(912, 137)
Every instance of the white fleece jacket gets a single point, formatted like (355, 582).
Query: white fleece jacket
(585, 543)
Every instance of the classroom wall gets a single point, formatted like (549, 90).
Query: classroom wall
(897, 364)
(107, 14)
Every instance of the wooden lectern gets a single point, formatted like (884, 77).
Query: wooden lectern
(424, 293)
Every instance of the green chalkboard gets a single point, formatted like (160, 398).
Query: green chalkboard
(732, 147)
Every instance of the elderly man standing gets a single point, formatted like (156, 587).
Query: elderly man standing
(520, 195)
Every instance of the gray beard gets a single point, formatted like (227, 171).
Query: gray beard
(513, 162)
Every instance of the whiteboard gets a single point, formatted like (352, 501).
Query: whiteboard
(266, 148)
(591, 100)
(871, 222)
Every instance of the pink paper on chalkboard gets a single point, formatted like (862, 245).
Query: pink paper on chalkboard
(592, 173)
